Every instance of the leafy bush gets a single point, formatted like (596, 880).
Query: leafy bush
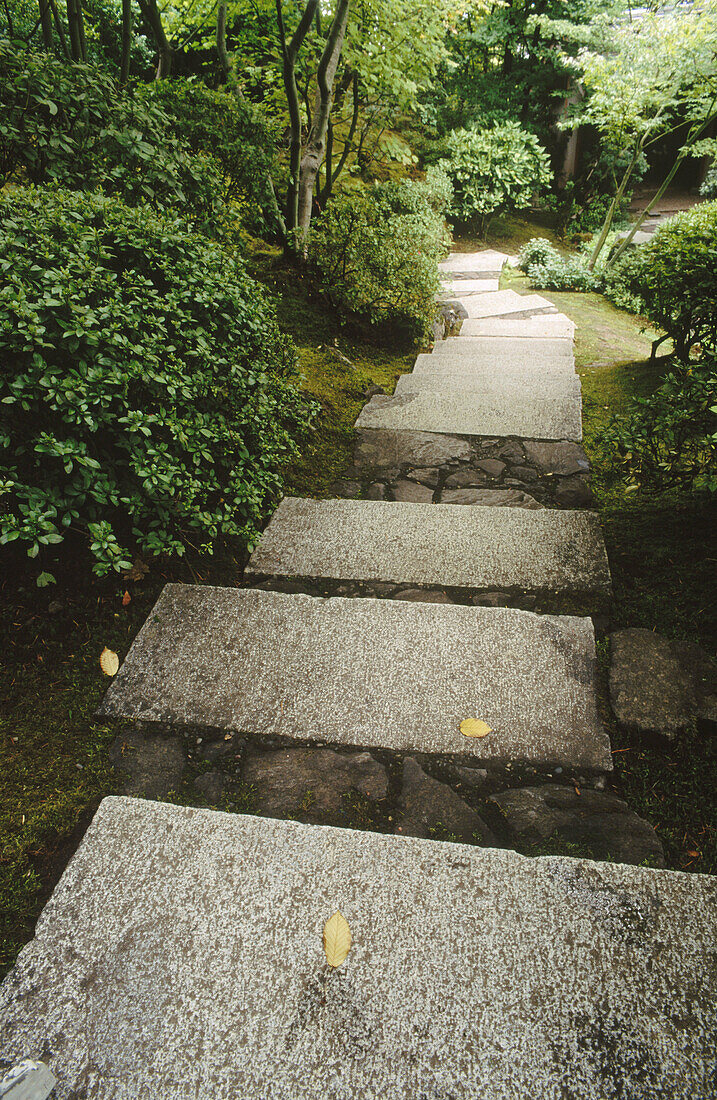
(708, 190)
(70, 124)
(670, 438)
(229, 130)
(375, 253)
(537, 251)
(561, 274)
(494, 170)
(673, 278)
(145, 395)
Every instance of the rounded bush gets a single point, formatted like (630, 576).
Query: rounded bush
(145, 393)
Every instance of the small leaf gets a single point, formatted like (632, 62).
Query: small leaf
(109, 662)
(473, 727)
(126, 599)
(337, 939)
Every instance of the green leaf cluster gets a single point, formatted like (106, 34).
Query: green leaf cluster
(146, 396)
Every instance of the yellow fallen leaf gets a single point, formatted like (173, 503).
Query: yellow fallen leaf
(109, 662)
(473, 727)
(337, 939)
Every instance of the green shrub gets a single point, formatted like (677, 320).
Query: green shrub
(493, 171)
(670, 438)
(145, 394)
(562, 274)
(70, 124)
(708, 190)
(375, 253)
(673, 278)
(229, 130)
(537, 251)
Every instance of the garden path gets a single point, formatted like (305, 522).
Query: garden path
(181, 954)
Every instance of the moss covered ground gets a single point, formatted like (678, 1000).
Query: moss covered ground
(54, 764)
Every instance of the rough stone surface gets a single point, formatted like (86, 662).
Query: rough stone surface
(466, 478)
(211, 785)
(573, 492)
(659, 686)
(600, 822)
(476, 414)
(420, 594)
(506, 386)
(503, 303)
(500, 353)
(491, 498)
(181, 957)
(558, 458)
(151, 763)
(469, 262)
(546, 326)
(372, 673)
(312, 782)
(432, 809)
(482, 547)
(412, 492)
(384, 449)
(459, 288)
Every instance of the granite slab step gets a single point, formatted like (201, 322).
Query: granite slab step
(543, 326)
(376, 673)
(459, 288)
(488, 260)
(180, 958)
(477, 414)
(533, 384)
(449, 546)
(507, 350)
(503, 303)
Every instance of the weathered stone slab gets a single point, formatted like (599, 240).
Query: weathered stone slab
(490, 498)
(374, 673)
(433, 809)
(181, 957)
(506, 348)
(460, 288)
(450, 546)
(488, 260)
(391, 450)
(502, 303)
(477, 414)
(557, 458)
(508, 385)
(543, 326)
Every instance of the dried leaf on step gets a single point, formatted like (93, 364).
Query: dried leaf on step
(337, 939)
(109, 662)
(473, 727)
(126, 599)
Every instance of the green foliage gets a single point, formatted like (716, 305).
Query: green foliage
(670, 438)
(548, 270)
(673, 278)
(708, 190)
(145, 399)
(494, 171)
(231, 131)
(376, 252)
(536, 252)
(70, 124)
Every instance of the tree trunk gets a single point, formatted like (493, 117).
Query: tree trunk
(316, 142)
(599, 244)
(127, 34)
(150, 11)
(289, 51)
(58, 28)
(76, 29)
(224, 64)
(46, 24)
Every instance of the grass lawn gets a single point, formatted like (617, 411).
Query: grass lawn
(54, 766)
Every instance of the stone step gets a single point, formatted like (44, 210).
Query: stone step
(459, 288)
(548, 325)
(518, 352)
(476, 415)
(488, 260)
(376, 673)
(473, 549)
(181, 957)
(503, 303)
(533, 384)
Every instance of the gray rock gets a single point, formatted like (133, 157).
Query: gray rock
(390, 449)
(476, 414)
(492, 466)
(557, 458)
(376, 491)
(433, 809)
(492, 498)
(525, 473)
(473, 778)
(572, 492)
(180, 958)
(152, 763)
(491, 599)
(602, 823)
(411, 492)
(345, 488)
(422, 595)
(428, 476)
(372, 673)
(312, 783)
(659, 686)
(211, 785)
(466, 478)
(512, 452)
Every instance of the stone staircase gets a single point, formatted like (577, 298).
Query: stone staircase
(452, 576)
